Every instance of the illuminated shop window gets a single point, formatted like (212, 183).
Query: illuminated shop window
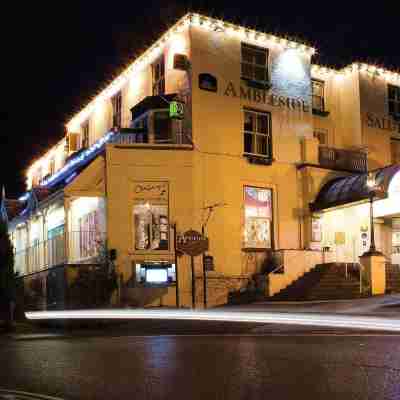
(155, 273)
(158, 76)
(254, 63)
(89, 234)
(257, 133)
(116, 102)
(257, 218)
(394, 100)
(318, 99)
(151, 219)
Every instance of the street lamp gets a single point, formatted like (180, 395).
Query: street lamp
(373, 188)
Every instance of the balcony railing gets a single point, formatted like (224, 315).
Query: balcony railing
(350, 160)
(77, 246)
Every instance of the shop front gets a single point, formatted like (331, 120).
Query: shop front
(342, 215)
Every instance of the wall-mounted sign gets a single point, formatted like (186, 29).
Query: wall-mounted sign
(208, 82)
(262, 96)
(176, 110)
(192, 243)
(386, 124)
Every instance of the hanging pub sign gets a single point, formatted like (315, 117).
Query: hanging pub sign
(192, 243)
(208, 82)
(176, 110)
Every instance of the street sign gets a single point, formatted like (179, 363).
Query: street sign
(192, 243)
(176, 110)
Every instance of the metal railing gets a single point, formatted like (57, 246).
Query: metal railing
(77, 246)
(342, 159)
(131, 136)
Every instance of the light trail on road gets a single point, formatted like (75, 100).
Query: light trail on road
(335, 321)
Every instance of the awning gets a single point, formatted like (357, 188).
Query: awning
(353, 188)
(152, 103)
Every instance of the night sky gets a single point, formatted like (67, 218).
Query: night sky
(56, 57)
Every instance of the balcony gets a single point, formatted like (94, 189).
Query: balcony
(74, 247)
(347, 160)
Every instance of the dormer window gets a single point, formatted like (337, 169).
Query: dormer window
(394, 101)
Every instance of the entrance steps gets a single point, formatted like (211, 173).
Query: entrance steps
(330, 281)
(392, 278)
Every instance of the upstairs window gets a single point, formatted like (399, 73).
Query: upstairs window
(117, 110)
(254, 63)
(52, 166)
(394, 100)
(322, 136)
(257, 134)
(85, 135)
(318, 100)
(158, 76)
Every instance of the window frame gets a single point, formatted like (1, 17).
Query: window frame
(158, 82)
(116, 102)
(253, 64)
(395, 100)
(321, 132)
(255, 134)
(321, 97)
(272, 219)
(85, 127)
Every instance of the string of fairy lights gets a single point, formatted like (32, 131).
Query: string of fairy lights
(216, 25)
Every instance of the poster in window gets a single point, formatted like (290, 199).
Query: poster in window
(151, 219)
(89, 234)
(258, 217)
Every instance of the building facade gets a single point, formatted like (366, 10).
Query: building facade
(225, 129)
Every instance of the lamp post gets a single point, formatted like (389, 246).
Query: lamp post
(373, 187)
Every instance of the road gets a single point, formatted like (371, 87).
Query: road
(204, 360)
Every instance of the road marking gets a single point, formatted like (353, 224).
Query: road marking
(321, 320)
(18, 395)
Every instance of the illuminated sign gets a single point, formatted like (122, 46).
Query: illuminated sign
(262, 96)
(176, 110)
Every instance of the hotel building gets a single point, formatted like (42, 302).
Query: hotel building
(214, 114)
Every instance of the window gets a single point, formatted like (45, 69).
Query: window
(254, 63)
(395, 150)
(52, 166)
(158, 74)
(257, 133)
(150, 214)
(89, 234)
(85, 134)
(140, 125)
(117, 110)
(318, 100)
(394, 100)
(257, 218)
(162, 127)
(322, 136)
(155, 273)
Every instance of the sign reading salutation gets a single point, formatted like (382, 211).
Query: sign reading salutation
(192, 243)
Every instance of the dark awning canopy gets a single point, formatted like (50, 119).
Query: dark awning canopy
(152, 103)
(353, 188)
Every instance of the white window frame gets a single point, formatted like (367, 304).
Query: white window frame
(253, 64)
(321, 106)
(395, 100)
(255, 134)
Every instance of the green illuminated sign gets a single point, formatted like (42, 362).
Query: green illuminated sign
(176, 110)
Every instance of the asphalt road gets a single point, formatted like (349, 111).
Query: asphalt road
(198, 360)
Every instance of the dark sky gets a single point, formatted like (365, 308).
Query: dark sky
(56, 57)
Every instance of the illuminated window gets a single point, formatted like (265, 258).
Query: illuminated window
(257, 133)
(156, 273)
(89, 234)
(394, 100)
(158, 75)
(318, 100)
(254, 63)
(85, 134)
(257, 218)
(52, 166)
(150, 214)
(322, 136)
(117, 110)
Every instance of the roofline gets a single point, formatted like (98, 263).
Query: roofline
(189, 19)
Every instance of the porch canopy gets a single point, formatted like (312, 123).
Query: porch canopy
(353, 188)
